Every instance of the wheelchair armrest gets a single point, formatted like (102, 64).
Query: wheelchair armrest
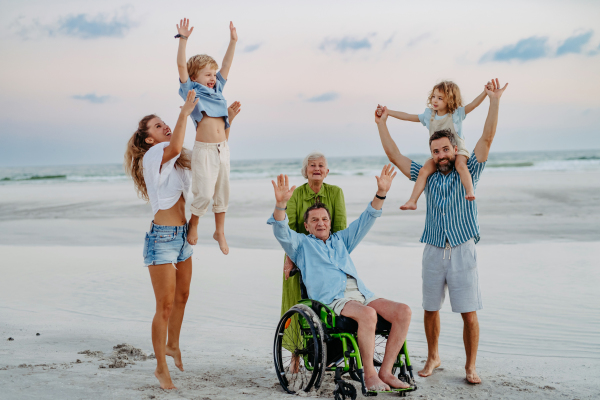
(325, 313)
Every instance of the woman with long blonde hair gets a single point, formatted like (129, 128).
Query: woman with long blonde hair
(160, 169)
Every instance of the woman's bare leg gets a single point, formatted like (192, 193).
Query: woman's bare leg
(164, 283)
(182, 292)
(428, 169)
(465, 176)
(219, 235)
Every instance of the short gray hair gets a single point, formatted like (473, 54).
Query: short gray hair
(315, 155)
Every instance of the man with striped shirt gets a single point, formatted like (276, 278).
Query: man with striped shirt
(451, 231)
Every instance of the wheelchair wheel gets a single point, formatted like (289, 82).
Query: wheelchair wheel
(380, 343)
(299, 337)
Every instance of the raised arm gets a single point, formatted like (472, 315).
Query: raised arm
(482, 149)
(399, 114)
(389, 146)
(478, 100)
(228, 59)
(176, 145)
(184, 31)
(283, 193)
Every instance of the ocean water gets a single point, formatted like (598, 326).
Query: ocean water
(256, 169)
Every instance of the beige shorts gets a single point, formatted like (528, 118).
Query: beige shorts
(350, 294)
(210, 177)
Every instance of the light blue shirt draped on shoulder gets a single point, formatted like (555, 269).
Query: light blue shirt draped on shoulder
(211, 101)
(325, 265)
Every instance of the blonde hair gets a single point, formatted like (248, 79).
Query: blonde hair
(199, 61)
(134, 156)
(451, 92)
(315, 155)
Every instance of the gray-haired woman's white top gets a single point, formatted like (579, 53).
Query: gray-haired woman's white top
(164, 185)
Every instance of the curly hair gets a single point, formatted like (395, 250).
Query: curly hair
(134, 155)
(451, 93)
(199, 61)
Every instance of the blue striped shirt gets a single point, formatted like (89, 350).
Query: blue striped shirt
(450, 217)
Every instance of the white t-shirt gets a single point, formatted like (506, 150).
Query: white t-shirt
(457, 117)
(164, 185)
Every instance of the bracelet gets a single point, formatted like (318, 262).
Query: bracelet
(379, 197)
(180, 36)
(280, 209)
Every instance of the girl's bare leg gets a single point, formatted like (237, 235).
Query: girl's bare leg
(219, 235)
(428, 169)
(192, 236)
(182, 292)
(163, 282)
(465, 176)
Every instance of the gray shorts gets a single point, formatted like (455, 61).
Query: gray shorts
(456, 269)
(351, 293)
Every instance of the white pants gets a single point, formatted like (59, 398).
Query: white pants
(210, 177)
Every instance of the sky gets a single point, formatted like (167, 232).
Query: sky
(76, 77)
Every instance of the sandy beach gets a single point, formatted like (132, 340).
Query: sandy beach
(72, 272)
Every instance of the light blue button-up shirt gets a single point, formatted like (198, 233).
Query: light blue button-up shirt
(211, 101)
(325, 265)
(450, 217)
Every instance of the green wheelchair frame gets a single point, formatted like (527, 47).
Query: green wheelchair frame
(308, 330)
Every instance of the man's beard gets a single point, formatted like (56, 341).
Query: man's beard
(446, 167)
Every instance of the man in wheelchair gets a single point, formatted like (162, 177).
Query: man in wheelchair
(330, 276)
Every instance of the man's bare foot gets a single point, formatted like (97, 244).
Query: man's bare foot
(164, 378)
(295, 364)
(192, 235)
(409, 205)
(470, 196)
(233, 110)
(220, 237)
(391, 380)
(430, 365)
(176, 354)
(472, 376)
(375, 384)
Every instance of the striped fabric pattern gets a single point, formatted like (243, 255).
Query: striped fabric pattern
(450, 217)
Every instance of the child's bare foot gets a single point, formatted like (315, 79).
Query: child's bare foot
(470, 196)
(391, 380)
(233, 110)
(430, 365)
(472, 376)
(176, 354)
(220, 237)
(409, 205)
(192, 235)
(164, 378)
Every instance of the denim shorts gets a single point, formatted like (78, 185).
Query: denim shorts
(166, 245)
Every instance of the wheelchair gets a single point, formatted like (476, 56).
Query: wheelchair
(321, 342)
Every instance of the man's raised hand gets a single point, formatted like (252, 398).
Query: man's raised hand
(384, 181)
(233, 31)
(183, 28)
(381, 114)
(494, 91)
(282, 189)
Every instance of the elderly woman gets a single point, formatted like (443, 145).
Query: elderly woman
(314, 168)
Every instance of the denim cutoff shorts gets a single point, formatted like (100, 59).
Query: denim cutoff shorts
(166, 245)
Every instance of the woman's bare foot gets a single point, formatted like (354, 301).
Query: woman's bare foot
(472, 376)
(220, 237)
(176, 354)
(409, 205)
(192, 234)
(430, 365)
(233, 110)
(391, 380)
(375, 384)
(164, 378)
(470, 196)
(295, 364)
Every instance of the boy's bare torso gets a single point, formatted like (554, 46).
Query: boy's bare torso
(211, 129)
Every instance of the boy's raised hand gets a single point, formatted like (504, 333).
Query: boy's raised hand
(233, 32)
(183, 28)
